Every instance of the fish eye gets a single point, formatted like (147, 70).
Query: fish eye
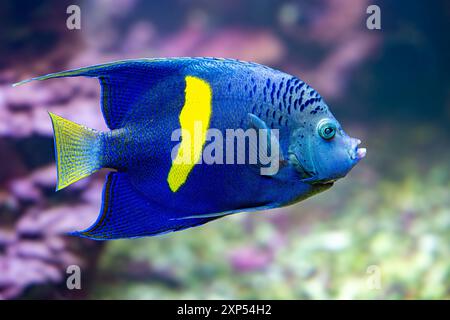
(326, 129)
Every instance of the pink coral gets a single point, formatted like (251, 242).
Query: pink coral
(248, 259)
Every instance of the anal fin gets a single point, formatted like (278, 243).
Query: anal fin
(126, 213)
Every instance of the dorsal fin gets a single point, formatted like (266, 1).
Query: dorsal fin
(122, 83)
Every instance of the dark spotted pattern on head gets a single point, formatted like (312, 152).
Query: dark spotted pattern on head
(277, 100)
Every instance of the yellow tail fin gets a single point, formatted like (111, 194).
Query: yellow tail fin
(76, 150)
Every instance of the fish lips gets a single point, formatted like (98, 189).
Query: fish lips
(356, 153)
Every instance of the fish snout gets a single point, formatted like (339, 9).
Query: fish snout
(356, 153)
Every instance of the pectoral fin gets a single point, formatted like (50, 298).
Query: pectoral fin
(268, 142)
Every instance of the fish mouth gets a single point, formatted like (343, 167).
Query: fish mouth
(360, 153)
(357, 153)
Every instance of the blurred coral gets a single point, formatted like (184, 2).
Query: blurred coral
(246, 259)
(36, 252)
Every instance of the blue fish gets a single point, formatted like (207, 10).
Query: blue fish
(153, 106)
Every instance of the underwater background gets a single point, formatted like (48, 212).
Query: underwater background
(383, 232)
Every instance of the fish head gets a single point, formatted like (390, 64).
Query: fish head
(320, 150)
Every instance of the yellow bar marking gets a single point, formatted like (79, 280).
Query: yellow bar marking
(194, 120)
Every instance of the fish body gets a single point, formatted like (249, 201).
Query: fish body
(145, 104)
